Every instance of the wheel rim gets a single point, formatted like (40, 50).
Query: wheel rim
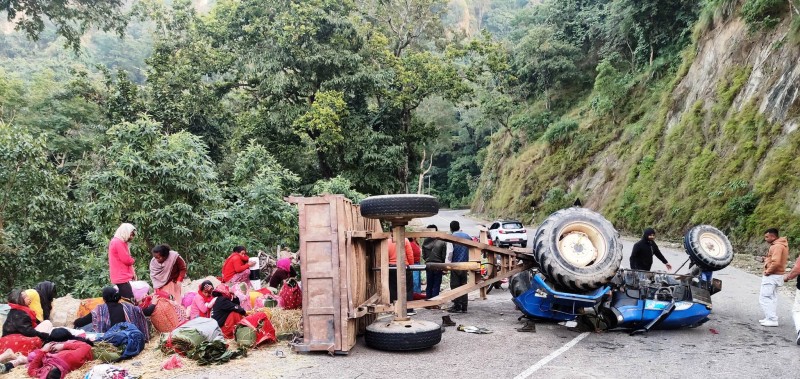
(581, 244)
(712, 245)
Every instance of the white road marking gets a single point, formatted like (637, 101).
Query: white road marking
(550, 357)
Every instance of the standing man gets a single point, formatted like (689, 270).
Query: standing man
(458, 253)
(774, 268)
(120, 261)
(643, 251)
(796, 307)
(433, 251)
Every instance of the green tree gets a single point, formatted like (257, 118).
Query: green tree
(70, 18)
(544, 62)
(38, 222)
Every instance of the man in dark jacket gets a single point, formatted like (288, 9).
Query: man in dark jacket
(643, 251)
(433, 251)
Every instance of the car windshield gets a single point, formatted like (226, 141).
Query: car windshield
(512, 225)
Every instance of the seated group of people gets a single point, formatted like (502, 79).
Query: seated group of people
(29, 337)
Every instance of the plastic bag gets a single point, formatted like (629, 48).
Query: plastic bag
(172, 363)
(140, 289)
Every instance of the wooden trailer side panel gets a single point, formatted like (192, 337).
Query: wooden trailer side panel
(319, 249)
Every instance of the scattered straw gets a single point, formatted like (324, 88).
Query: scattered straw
(286, 321)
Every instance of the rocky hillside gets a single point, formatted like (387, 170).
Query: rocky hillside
(714, 142)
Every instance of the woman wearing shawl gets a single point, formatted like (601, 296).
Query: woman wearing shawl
(167, 270)
(203, 301)
(283, 271)
(19, 334)
(120, 261)
(47, 292)
(57, 359)
(112, 312)
(226, 311)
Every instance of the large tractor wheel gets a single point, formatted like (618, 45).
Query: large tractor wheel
(399, 207)
(577, 249)
(708, 247)
(389, 335)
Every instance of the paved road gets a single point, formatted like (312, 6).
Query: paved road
(731, 345)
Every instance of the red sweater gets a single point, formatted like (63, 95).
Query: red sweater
(393, 253)
(235, 264)
(120, 262)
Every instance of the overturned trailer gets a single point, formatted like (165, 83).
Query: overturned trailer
(344, 257)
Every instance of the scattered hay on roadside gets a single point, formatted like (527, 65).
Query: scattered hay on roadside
(286, 320)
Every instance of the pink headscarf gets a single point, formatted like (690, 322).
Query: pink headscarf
(284, 264)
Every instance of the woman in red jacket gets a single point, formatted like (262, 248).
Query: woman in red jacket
(236, 274)
(120, 261)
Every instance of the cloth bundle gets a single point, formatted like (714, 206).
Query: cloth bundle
(255, 330)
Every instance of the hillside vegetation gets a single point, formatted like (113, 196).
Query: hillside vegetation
(704, 131)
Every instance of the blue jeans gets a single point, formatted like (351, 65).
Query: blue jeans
(434, 283)
(417, 284)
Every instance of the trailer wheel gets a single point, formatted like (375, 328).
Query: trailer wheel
(387, 334)
(708, 247)
(577, 249)
(399, 207)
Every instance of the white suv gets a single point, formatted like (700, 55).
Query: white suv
(507, 233)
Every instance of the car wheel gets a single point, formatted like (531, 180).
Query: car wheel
(387, 334)
(577, 249)
(524, 244)
(708, 247)
(497, 242)
(399, 207)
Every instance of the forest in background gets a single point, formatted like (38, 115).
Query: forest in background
(194, 119)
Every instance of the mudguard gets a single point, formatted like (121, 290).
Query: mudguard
(543, 302)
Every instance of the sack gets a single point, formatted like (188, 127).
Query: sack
(4, 309)
(167, 315)
(188, 299)
(88, 305)
(140, 289)
(189, 335)
(64, 310)
(290, 296)
(255, 330)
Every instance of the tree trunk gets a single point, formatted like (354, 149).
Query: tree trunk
(651, 55)
(421, 181)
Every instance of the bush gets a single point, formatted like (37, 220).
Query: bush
(560, 133)
(764, 14)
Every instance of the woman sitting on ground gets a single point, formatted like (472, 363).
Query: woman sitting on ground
(113, 312)
(167, 270)
(226, 310)
(203, 301)
(19, 333)
(47, 293)
(57, 359)
(236, 268)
